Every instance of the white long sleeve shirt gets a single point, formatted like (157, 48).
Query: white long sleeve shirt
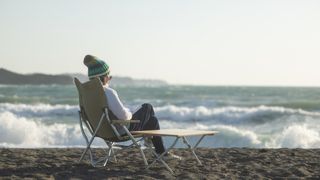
(115, 104)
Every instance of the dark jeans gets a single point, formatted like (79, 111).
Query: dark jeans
(148, 121)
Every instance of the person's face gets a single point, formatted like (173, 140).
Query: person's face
(107, 78)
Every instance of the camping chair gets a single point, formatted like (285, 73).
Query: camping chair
(94, 114)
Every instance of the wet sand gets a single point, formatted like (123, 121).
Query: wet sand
(218, 163)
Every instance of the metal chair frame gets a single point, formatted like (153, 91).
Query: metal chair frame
(110, 153)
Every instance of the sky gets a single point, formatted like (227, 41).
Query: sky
(196, 42)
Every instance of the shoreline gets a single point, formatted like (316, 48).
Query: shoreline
(244, 163)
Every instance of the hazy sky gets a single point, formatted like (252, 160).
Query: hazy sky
(214, 42)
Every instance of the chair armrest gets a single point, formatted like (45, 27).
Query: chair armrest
(124, 121)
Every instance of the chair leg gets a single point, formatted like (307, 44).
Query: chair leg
(137, 144)
(109, 154)
(82, 156)
(90, 153)
(114, 155)
(91, 140)
(88, 147)
(85, 137)
(143, 156)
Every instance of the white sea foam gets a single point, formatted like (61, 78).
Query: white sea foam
(21, 132)
(228, 136)
(225, 114)
(228, 115)
(21, 126)
(36, 110)
(297, 135)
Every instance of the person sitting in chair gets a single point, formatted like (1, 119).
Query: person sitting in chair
(148, 120)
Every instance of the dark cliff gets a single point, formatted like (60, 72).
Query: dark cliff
(8, 77)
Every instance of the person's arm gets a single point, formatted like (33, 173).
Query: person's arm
(116, 106)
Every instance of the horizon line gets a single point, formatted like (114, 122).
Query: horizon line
(180, 84)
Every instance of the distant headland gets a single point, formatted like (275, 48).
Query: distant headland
(13, 78)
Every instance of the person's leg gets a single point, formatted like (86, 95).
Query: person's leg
(143, 114)
(148, 121)
(153, 124)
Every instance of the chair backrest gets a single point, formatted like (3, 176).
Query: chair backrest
(92, 102)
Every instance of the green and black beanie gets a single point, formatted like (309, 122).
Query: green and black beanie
(96, 67)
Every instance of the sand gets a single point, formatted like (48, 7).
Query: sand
(218, 163)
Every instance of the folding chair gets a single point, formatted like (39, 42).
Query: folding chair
(94, 115)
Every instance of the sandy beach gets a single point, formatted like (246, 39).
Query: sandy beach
(237, 163)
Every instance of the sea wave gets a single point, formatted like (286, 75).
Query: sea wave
(19, 131)
(229, 115)
(297, 135)
(23, 125)
(226, 115)
(26, 133)
(289, 136)
(39, 110)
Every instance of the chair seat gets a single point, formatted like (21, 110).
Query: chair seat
(124, 138)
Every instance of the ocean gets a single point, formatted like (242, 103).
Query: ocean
(33, 116)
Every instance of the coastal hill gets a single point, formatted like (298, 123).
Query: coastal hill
(9, 77)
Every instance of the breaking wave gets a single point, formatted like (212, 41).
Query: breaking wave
(23, 125)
